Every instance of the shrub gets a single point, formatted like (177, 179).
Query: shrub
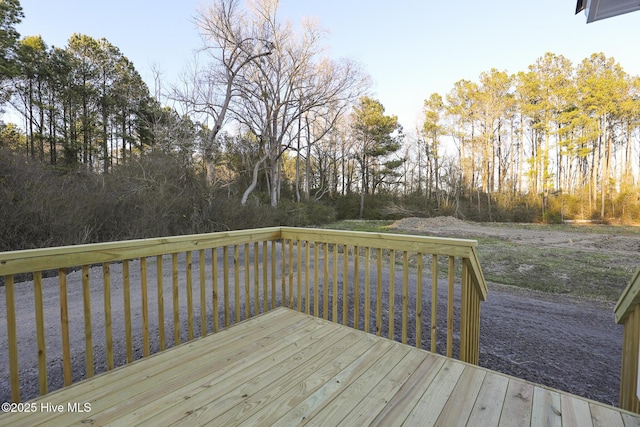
(552, 217)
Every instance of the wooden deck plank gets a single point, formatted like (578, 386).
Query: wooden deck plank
(237, 387)
(488, 407)
(403, 401)
(118, 398)
(518, 403)
(458, 408)
(575, 412)
(298, 391)
(546, 408)
(630, 420)
(429, 407)
(368, 408)
(118, 381)
(211, 380)
(341, 395)
(604, 416)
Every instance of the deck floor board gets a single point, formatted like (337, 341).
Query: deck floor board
(289, 368)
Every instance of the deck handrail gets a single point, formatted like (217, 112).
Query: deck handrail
(16, 262)
(260, 269)
(627, 313)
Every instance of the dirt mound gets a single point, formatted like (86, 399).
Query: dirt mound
(427, 224)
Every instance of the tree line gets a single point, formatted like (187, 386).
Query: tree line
(264, 115)
(83, 104)
(556, 130)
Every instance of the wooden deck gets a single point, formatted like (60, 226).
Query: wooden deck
(289, 368)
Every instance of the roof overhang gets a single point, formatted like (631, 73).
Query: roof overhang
(602, 9)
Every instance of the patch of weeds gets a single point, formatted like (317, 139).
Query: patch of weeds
(552, 270)
(564, 271)
(570, 228)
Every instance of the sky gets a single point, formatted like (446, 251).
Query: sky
(409, 48)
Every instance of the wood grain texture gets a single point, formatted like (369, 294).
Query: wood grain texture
(288, 368)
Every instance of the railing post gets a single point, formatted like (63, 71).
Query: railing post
(629, 382)
(469, 318)
(627, 312)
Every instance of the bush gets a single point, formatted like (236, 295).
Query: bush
(552, 217)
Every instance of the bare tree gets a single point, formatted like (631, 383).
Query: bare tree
(292, 83)
(231, 43)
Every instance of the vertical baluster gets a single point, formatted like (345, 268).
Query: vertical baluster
(419, 273)
(299, 273)
(325, 283)
(356, 287)
(106, 277)
(160, 290)
(203, 290)
(236, 281)
(189, 274)
(145, 306)
(247, 283)
(42, 349)
(214, 288)
(434, 303)
(392, 296)
(225, 281)
(284, 274)
(475, 318)
(307, 291)
(265, 278)
(475, 321)
(291, 273)
(64, 326)
(176, 301)
(334, 299)
(273, 274)
(450, 296)
(379, 294)
(464, 317)
(12, 337)
(316, 285)
(256, 277)
(345, 284)
(88, 335)
(405, 295)
(126, 290)
(367, 288)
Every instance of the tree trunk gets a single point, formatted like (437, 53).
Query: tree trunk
(254, 181)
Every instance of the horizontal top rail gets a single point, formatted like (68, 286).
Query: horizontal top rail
(463, 248)
(16, 262)
(629, 299)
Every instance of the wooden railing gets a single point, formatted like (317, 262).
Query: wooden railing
(110, 303)
(627, 312)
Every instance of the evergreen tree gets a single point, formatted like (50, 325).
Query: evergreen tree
(377, 137)
(10, 15)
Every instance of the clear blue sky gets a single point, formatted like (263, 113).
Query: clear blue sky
(409, 48)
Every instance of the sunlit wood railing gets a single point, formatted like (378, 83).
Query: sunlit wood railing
(627, 312)
(152, 294)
